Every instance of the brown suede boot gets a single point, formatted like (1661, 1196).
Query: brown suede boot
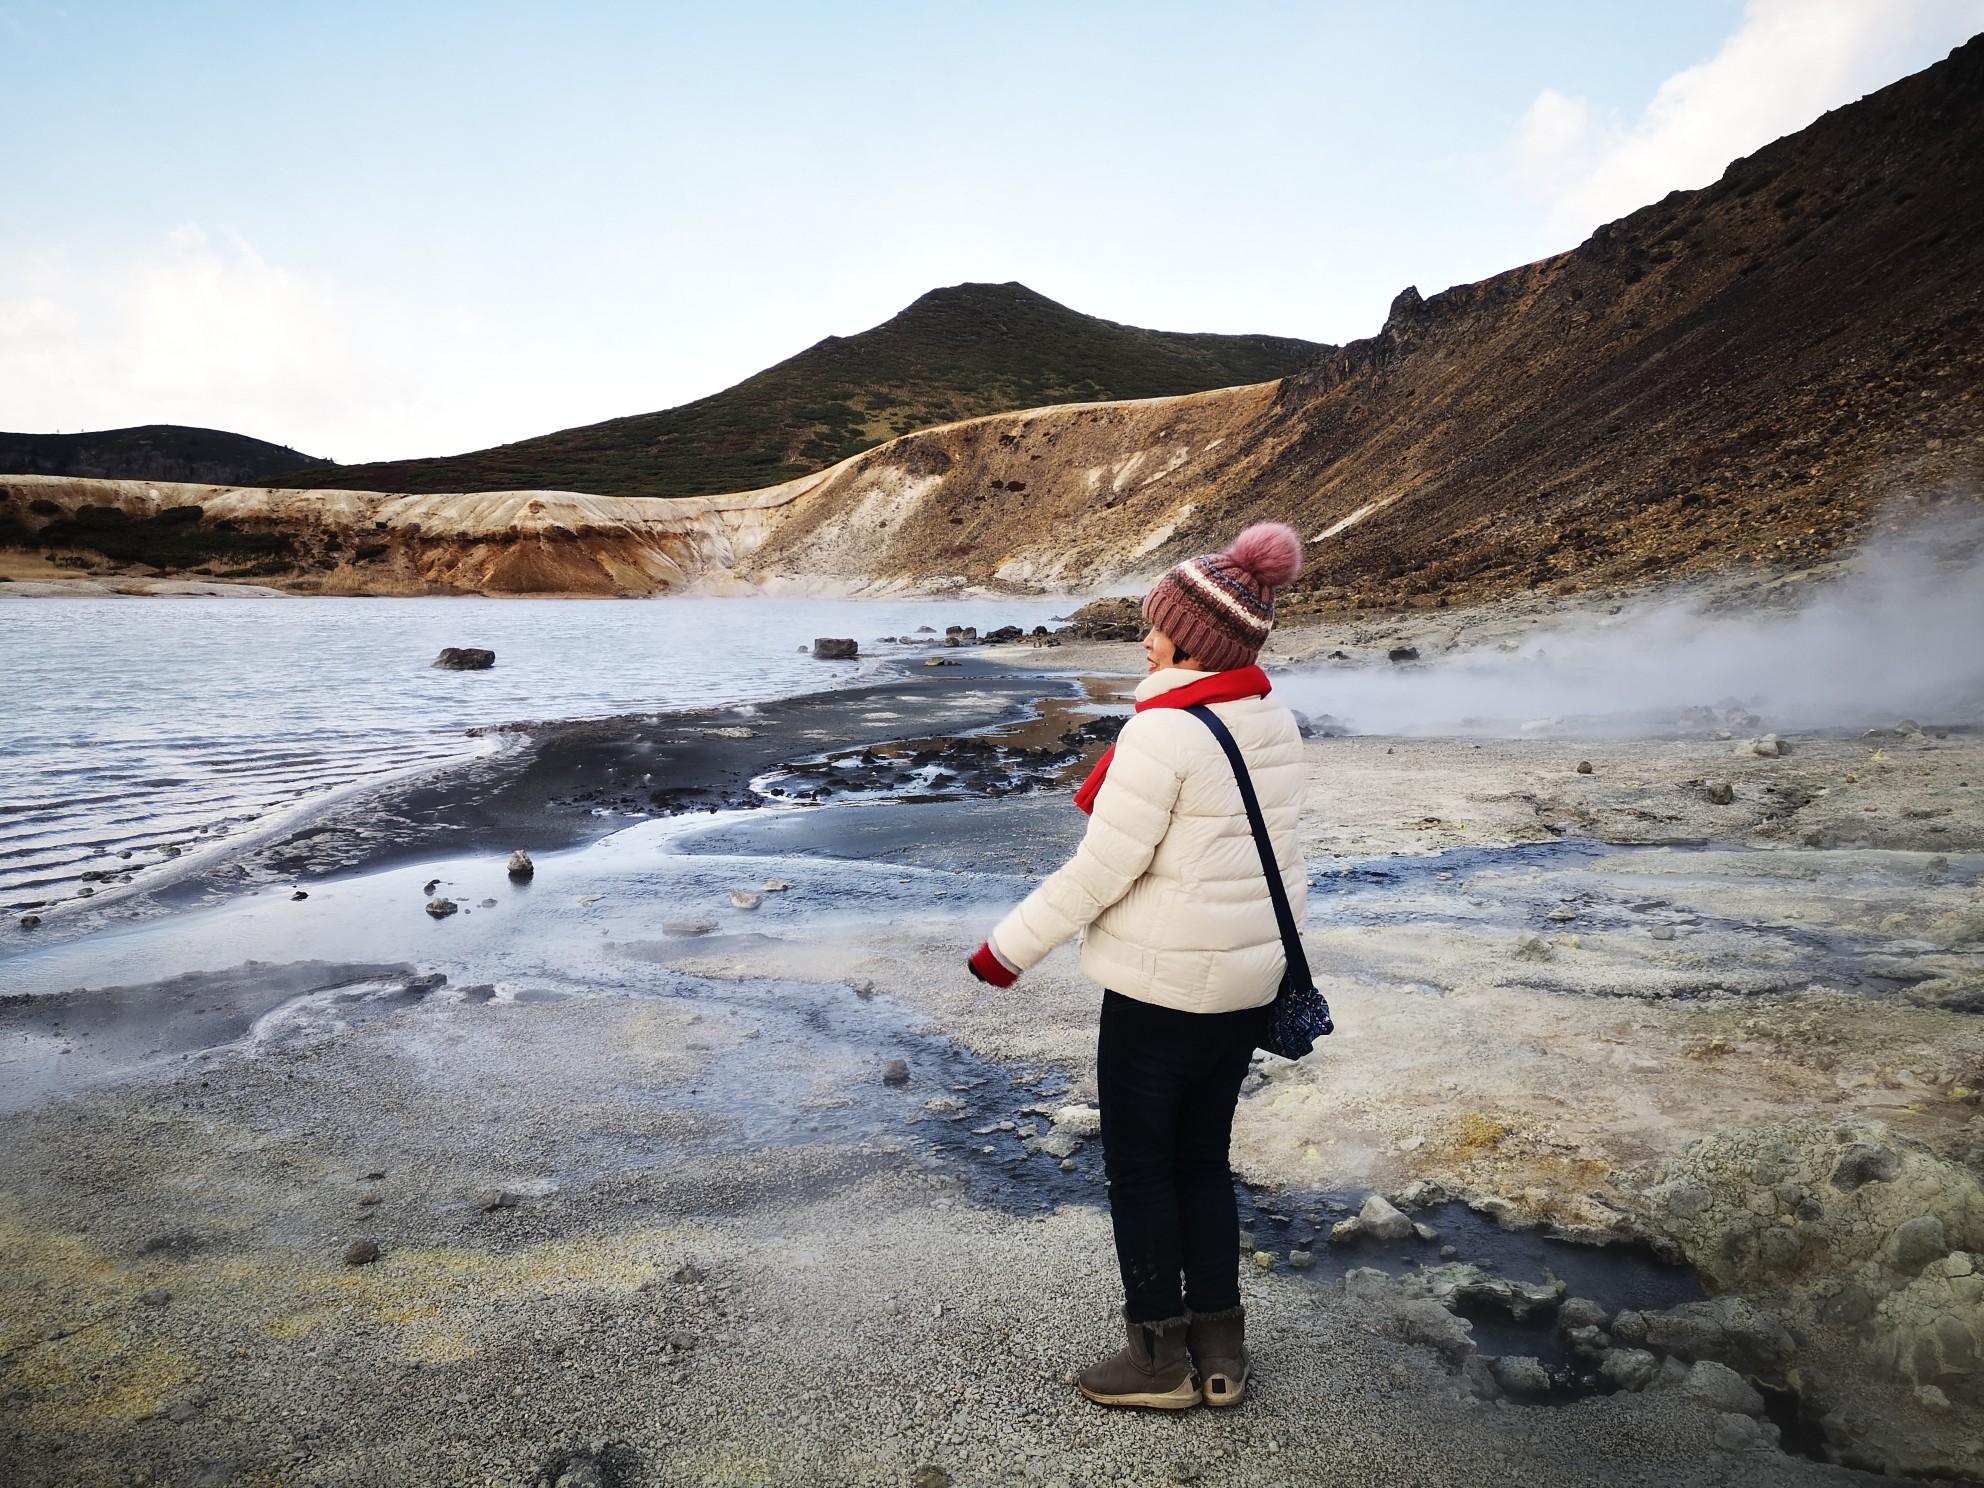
(1220, 1355)
(1152, 1369)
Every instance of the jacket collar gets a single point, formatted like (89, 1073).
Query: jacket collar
(1171, 678)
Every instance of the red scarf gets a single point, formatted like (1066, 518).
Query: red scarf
(1215, 687)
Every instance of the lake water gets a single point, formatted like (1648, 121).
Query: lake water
(135, 725)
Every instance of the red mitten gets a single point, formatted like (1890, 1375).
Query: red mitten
(990, 967)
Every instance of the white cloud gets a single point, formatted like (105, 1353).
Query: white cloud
(1787, 63)
(204, 331)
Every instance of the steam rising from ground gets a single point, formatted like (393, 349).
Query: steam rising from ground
(1902, 635)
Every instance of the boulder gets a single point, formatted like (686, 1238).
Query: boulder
(1933, 1328)
(1730, 1329)
(1718, 792)
(835, 648)
(520, 866)
(1426, 1323)
(1402, 654)
(1582, 1312)
(1379, 1218)
(1721, 1388)
(441, 908)
(1521, 1374)
(1772, 1206)
(464, 659)
(895, 1072)
(1629, 1369)
(1737, 1433)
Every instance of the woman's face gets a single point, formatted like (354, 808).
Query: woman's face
(1159, 650)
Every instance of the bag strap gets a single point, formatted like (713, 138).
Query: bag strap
(1291, 938)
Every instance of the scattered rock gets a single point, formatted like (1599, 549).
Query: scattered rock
(1662, 932)
(895, 1072)
(1264, 1259)
(29, 921)
(486, 904)
(776, 886)
(520, 866)
(180, 1412)
(361, 1253)
(687, 1274)
(1584, 767)
(865, 990)
(930, 1476)
(1520, 1374)
(688, 927)
(441, 908)
(1532, 947)
(1301, 1259)
(1379, 1218)
(940, 661)
(1767, 747)
(492, 1199)
(835, 648)
(1722, 1388)
(430, 886)
(464, 659)
(1718, 792)
(156, 1297)
(299, 894)
(1932, 1398)
(743, 899)
(1425, 1231)
(1401, 654)
(1063, 1145)
(1345, 1230)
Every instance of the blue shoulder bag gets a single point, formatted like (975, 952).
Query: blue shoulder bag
(1299, 1014)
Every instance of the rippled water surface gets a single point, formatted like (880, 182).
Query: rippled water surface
(135, 726)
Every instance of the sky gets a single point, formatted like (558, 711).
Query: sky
(374, 231)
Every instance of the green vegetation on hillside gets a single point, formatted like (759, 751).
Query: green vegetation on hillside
(955, 353)
(159, 452)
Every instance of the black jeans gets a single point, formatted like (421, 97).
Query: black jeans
(1168, 1082)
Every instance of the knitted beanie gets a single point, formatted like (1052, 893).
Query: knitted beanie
(1218, 608)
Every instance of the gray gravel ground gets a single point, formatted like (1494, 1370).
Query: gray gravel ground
(851, 1315)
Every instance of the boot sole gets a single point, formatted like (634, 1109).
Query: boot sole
(1184, 1397)
(1230, 1397)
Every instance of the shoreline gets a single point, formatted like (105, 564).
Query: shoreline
(700, 1175)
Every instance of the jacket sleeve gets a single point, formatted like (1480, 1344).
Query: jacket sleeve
(1132, 814)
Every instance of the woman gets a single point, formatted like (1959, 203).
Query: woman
(1169, 896)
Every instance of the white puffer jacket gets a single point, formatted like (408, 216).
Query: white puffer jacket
(1167, 881)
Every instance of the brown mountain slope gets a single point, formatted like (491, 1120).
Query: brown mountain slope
(1741, 373)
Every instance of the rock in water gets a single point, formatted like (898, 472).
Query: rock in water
(742, 899)
(465, 659)
(1379, 1218)
(835, 648)
(521, 867)
(441, 908)
(895, 1072)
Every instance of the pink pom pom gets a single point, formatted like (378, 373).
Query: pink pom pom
(1270, 552)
